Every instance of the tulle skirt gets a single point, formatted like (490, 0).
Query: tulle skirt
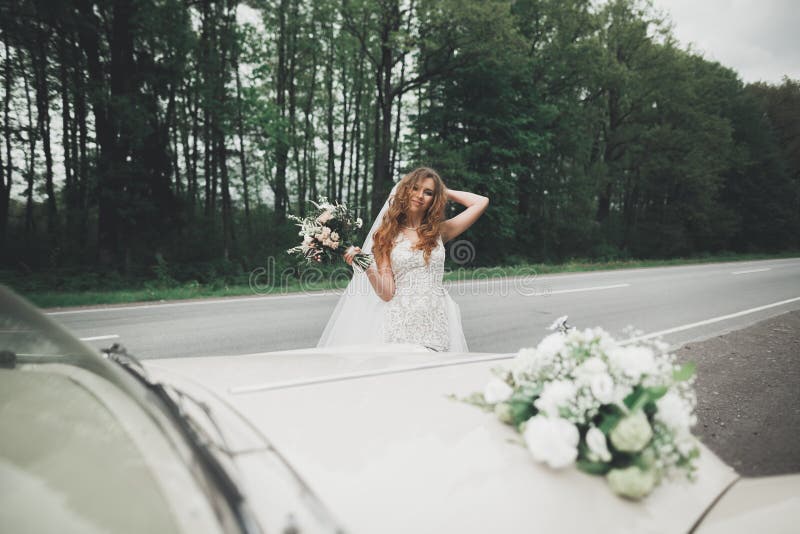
(359, 316)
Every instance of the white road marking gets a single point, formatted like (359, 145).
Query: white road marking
(98, 338)
(190, 303)
(751, 271)
(578, 289)
(709, 321)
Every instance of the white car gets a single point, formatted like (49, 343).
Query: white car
(359, 440)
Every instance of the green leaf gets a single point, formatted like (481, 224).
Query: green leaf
(684, 373)
(521, 410)
(656, 392)
(634, 398)
(608, 422)
(528, 391)
(475, 399)
(641, 396)
(593, 468)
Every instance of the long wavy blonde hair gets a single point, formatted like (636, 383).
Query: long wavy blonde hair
(397, 216)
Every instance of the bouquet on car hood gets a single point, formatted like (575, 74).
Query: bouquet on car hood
(328, 233)
(622, 410)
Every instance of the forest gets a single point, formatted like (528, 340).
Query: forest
(175, 136)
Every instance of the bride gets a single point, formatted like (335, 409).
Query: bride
(400, 297)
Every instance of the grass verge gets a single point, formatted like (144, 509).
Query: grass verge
(150, 292)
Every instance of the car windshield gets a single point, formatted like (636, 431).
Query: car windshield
(32, 338)
(79, 448)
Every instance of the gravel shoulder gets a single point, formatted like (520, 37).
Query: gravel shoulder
(748, 395)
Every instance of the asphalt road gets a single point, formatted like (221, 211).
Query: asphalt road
(748, 395)
(685, 303)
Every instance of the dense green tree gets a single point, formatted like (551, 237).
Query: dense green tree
(162, 132)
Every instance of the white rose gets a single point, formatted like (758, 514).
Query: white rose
(497, 391)
(590, 367)
(359, 222)
(598, 448)
(603, 389)
(503, 412)
(633, 361)
(552, 440)
(632, 433)
(531, 361)
(555, 395)
(326, 231)
(551, 345)
(675, 413)
(334, 236)
(631, 482)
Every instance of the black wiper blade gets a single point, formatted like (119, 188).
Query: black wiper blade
(119, 354)
(199, 439)
(208, 441)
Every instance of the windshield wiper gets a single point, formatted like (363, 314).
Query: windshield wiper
(197, 436)
(119, 354)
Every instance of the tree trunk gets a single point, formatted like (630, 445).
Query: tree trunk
(354, 165)
(292, 89)
(7, 174)
(606, 188)
(31, 171)
(40, 63)
(108, 134)
(382, 177)
(345, 117)
(308, 140)
(227, 208)
(80, 130)
(194, 103)
(396, 143)
(66, 141)
(240, 133)
(331, 175)
(281, 146)
(183, 131)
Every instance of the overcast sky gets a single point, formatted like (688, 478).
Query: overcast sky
(758, 39)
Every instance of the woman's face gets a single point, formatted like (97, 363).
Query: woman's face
(421, 196)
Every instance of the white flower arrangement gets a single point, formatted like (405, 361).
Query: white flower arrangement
(620, 410)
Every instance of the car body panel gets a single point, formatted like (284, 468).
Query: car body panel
(379, 440)
(767, 504)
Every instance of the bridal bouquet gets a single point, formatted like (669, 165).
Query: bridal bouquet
(328, 233)
(619, 410)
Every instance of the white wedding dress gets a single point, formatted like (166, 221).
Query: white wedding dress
(418, 311)
(420, 316)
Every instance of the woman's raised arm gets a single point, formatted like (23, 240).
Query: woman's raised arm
(455, 226)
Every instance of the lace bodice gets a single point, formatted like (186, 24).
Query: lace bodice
(417, 313)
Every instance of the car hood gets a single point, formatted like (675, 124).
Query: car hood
(380, 440)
